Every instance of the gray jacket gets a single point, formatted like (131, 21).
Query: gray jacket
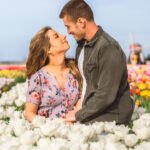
(107, 96)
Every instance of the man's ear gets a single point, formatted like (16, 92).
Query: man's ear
(81, 22)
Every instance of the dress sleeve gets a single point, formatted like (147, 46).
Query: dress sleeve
(33, 92)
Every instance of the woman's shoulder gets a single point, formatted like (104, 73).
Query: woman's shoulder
(39, 77)
(37, 74)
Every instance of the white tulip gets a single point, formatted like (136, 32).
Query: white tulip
(74, 146)
(10, 101)
(19, 102)
(111, 138)
(49, 129)
(141, 122)
(114, 146)
(13, 144)
(135, 116)
(10, 111)
(5, 138)
(6, 146)
(38, 121)
(9, 130)
(20, 126)
(141, 110)
(84, 132)
(44, 143)
(98, 127)
(131, 140)
(2, 112)
(88, 132)
(26, 147)
(146, 118)
(143, 146)
(28, 138)
(37, 132)
(97, 145)
(121, 131)
(143, 133)
(77, 146)
(84, 147)
(3, 101)
(22, 97)
(58, 144)
(130, 148)
(108, 126)
(17, 114)
(137, 124)
(138, 111)
(19, 130)
(57, 121)
(11, 96)
(76, 137)
(2, 128)
(62, 131)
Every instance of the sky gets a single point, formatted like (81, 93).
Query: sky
(20, 20)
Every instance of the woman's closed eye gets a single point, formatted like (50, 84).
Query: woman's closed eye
(55, 36)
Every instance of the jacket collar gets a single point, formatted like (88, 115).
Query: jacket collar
(94, 39)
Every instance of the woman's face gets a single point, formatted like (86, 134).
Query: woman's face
(58, 42)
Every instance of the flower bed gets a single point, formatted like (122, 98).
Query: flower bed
(12, 67)
(43, 134)
(139, 79)
(9, 78)
(4, 82)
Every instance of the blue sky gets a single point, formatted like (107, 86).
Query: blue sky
(20, 20)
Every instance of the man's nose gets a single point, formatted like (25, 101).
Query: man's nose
(69, 32)
(63, 37)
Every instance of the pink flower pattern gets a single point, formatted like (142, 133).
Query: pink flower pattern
(43, 90)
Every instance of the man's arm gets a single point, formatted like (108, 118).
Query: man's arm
(112, 63)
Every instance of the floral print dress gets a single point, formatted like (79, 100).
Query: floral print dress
(44, 91)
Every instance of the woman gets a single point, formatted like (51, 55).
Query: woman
(54, 82)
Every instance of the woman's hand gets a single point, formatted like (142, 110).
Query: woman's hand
(78, 105)
(70, 116)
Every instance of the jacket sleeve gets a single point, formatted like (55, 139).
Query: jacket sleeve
(112, 63)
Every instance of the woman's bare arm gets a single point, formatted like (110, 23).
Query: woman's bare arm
(30, 111)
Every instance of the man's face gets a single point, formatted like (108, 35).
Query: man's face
(74, 28)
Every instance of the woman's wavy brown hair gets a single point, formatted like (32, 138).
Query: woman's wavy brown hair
(38, 57)
(38, 48)
(70, 63)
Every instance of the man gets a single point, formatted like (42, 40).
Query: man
(102, 63)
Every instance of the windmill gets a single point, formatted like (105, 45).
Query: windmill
(136, 51)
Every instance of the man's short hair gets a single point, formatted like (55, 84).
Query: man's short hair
(75, 9)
